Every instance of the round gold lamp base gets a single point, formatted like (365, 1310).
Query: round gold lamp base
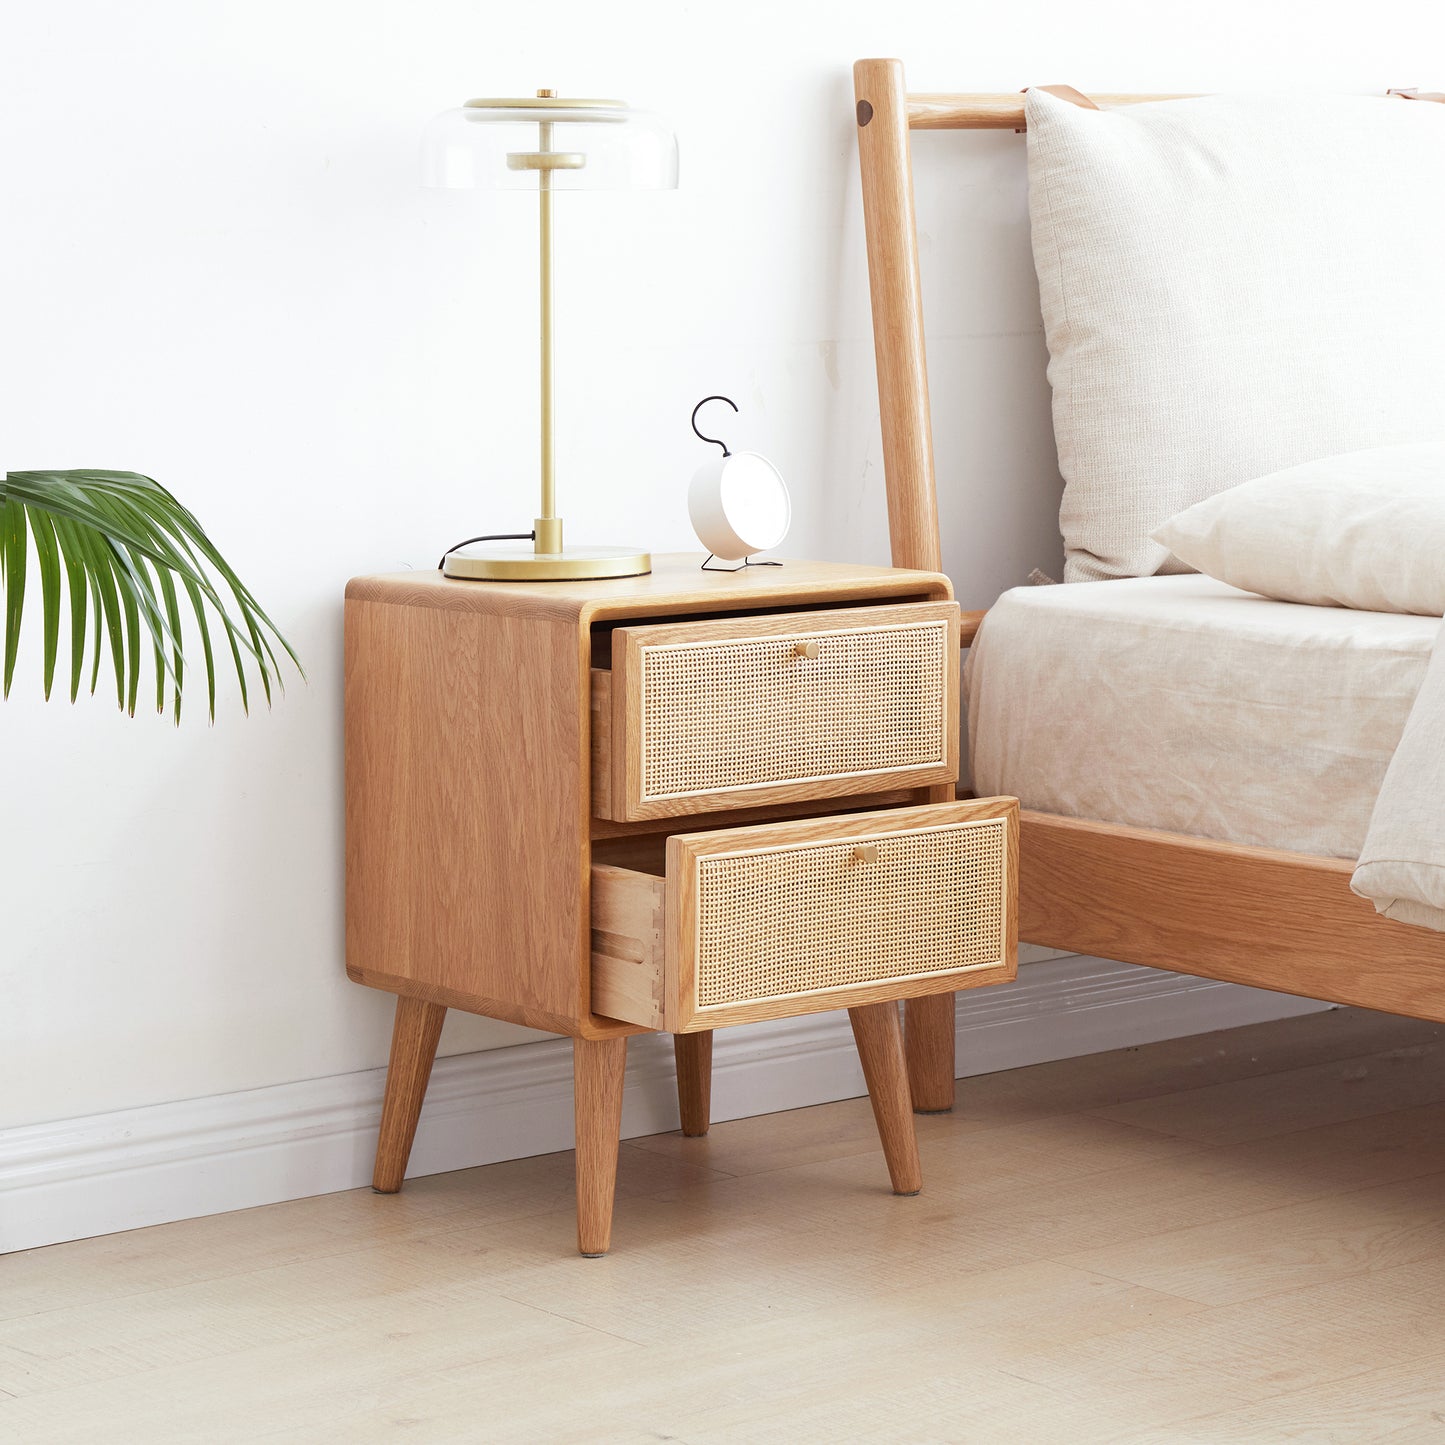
(485, 562)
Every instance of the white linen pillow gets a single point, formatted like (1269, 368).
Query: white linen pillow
(1365, 530)
(1230, 285)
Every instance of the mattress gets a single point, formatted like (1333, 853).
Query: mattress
(1183, 704)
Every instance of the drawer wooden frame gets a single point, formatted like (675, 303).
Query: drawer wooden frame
(645, 927)
(620, 700)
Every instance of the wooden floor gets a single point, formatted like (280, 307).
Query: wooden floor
(1239, 1237)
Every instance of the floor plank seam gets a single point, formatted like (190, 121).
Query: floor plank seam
(638, 1146)
(573, 1320)
(804, 1164)
(1343, 1192)
(1341, 1377)
(198, 1279)
(1409, 1051)
(1068, 1263)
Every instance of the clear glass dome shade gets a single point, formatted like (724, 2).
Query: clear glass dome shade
(578, 145)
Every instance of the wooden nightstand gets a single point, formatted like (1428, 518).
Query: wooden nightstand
(677, 801)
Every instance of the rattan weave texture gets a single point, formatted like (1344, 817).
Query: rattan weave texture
(794, 919)
(752, 712)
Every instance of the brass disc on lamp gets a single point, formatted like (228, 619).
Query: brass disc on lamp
(548, 143)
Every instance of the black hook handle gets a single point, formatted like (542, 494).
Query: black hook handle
(712, 441)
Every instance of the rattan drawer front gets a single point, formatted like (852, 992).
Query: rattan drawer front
(790, 918)
(718, 714)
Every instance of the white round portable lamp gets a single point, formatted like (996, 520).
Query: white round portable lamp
(738, 502)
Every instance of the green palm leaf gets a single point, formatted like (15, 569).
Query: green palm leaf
(121, 542)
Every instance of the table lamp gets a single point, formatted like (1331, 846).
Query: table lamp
(547, 144)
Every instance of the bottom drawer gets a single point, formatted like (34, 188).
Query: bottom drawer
(739, 924)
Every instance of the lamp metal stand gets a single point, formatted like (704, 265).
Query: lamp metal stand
(549, 560)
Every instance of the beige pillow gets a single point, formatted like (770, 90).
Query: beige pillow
(1363, 530)
(1230, 285)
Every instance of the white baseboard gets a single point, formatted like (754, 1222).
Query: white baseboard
(110, 1172)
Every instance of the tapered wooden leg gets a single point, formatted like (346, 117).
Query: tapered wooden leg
(414, 1038)
(694, 1081)
(597, 1069)
(879, 1037)
(930, 1052)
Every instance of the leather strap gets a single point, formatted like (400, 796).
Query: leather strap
(1414, 94)
(1068, 93)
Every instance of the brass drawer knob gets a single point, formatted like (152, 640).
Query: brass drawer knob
(865, 853)
(808, 648)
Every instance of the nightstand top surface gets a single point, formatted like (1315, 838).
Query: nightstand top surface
(676, 583)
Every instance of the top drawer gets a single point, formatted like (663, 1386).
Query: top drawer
(699, 716)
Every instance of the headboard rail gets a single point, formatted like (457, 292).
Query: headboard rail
(990, 111)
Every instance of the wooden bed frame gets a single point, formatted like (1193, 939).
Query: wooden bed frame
(1258, 916)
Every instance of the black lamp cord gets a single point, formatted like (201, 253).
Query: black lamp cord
(491, 537)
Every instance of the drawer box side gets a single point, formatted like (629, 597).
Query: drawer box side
(628, 921)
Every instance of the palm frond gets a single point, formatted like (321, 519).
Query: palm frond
(122, 542)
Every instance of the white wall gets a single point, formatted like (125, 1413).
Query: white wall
(218, 268)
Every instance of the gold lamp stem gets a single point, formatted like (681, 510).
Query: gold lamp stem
(548, 526)
(548, 561)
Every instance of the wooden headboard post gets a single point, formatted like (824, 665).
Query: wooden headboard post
(892, 239)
